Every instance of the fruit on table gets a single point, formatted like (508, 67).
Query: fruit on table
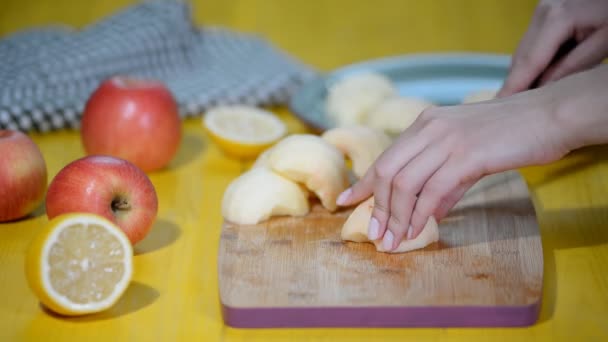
(350, 99)
(79, 264)
(312, 161)
(259, 194)
(396, 114)
(272, 187)
(361, 144)
(133, 119)
(355, 229)
(243, 131)
(23, 175)
(107, 186)
(480, 95)
(262, 159)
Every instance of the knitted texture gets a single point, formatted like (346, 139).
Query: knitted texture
(47, 75)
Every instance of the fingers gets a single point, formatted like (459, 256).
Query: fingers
(442, 191)
(361, 190)
(378, 179)
(405, 186)
(451, 199)
(385, 167)
(385, 170)
(510, 85)
(537, 49)
(588, 53)
(382, 202)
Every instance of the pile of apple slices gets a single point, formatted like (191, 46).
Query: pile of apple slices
(283, 178)
(373, 100)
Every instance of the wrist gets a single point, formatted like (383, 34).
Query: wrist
(579, 108)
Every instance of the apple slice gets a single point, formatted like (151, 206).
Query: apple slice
(350, 99)
(355, 229)
(259, 194)
(396, 114)
(361, 144)
(480, 96)
(262, 159)
(312, 161)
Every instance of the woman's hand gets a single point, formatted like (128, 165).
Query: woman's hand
(564, 37)
(448, 149)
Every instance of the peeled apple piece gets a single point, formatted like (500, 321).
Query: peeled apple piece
(480, 96)
(262, 159)
(361, 144)
(349, 100)
(259, 194)
(396, 114)
(355, 229)
(312, 161)
(355, 226)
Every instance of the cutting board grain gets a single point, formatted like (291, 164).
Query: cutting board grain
(485, 270)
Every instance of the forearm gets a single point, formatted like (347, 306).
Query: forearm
(581, 112)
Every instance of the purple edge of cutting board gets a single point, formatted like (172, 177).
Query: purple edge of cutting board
(395, 317)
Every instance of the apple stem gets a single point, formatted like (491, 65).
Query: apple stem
(120, 204)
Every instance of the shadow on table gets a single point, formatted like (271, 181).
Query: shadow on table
(39, 211)
(576, 161)
(190, 147)
(564, 229)
(162, 234)
(36, 213)
(559, 229)
(462, 223)
(136, 297)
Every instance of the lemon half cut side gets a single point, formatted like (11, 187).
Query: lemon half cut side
(243, 131)
(79, 264)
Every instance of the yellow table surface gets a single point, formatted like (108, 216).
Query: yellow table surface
(174, 294)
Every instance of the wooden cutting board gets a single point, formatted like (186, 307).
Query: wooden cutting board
(486, 269)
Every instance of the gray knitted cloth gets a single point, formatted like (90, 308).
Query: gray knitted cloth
(46, 75)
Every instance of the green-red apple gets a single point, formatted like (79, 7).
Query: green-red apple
(22, 175)
(133, 119)
(107, 186)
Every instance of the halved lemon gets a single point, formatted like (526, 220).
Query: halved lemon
(79, 264)
(243, 131)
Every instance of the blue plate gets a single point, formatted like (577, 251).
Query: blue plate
(443, 79)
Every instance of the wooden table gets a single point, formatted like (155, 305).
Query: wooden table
(174, 294)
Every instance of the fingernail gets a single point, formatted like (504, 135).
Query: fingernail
(344, 196)
(373, 231)
(387, 242)
(410, 233)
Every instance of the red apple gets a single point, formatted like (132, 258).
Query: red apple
(22, 175)
(107, 186)
(136, 120)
